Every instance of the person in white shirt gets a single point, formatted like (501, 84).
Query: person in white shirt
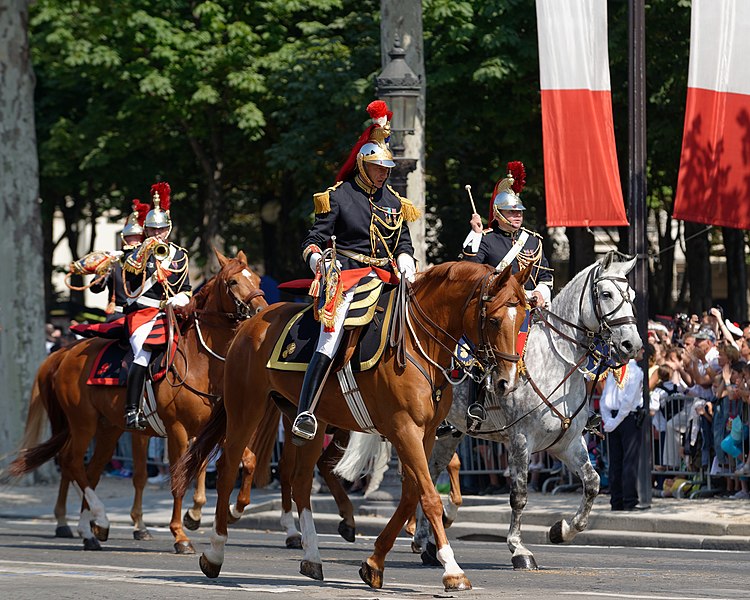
(618, 406)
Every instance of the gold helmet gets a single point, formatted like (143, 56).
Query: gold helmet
(505, 196)
(158, 217)
(372, 146)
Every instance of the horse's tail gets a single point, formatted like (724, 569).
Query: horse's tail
(360, 456)
(210, 436)
(43, 405)
(263, 443)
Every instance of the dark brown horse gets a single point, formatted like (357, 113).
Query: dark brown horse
(405, 401)
(78, 411)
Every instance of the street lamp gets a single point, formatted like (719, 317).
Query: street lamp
(399, 87)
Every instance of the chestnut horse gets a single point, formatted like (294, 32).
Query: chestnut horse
(405, 401)
(78, 411)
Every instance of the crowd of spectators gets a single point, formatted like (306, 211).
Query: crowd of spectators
(699, 382)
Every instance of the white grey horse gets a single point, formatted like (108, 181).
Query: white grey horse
(595, 306)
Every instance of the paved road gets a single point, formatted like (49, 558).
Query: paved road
(34, 565)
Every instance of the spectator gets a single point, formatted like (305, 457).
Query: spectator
(618, 407)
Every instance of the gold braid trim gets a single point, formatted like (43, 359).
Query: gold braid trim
(322, 200)
(408, 210)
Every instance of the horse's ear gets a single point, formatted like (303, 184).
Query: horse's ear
(220, 257)
(241, 257)
(607, 260)
(523, 275)
(628, 265)
(501, 279)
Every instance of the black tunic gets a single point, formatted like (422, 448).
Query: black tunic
(157, 291)
(495, 245)
(349, 218)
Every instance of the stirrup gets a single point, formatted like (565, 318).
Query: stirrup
(134, 420)
(476, 415)
(445, 429)
(304, 428)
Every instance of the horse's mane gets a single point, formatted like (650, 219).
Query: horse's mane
(465, 271)
(199, 299)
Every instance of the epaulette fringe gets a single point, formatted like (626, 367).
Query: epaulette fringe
(408, 210)
(322, 200)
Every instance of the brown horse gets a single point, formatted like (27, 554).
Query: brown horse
(78, 411)
(405, 401)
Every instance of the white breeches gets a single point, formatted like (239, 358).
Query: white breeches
(328, 342)
(141, 356)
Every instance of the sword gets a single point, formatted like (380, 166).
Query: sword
(467, 187)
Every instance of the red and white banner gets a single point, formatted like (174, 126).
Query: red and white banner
(713, 186)
(582, 181)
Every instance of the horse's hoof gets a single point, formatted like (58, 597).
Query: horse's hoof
(311, 570)
(556, 533)
(64, 531)
(524, 562)
(294, 542)
(91, 544)
(416, 548)
(186, 548)
(142, 535)
(429, 556)
(371, 576)
(101, 533)
(346, 531)
(209, 569)
(189, 522)
(447, 521)
(456, 583)
(231, 519)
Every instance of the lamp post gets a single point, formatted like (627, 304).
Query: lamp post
(399, 87)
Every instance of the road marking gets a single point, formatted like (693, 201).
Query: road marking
(641, 597)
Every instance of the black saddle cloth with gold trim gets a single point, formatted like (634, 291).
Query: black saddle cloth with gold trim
(299, 338)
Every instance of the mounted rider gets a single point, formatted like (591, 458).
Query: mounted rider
(156, 275)
(360, 233)
(131, 237)
(505, 242)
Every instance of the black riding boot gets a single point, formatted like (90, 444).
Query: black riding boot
(306, 425)
(136, 382)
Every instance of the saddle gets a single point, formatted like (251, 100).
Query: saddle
(365, 340)
(111, 365)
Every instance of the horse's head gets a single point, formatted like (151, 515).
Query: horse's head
(610, 310)
(243, 294)
(494, 324)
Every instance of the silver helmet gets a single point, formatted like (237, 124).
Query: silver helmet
(134, 224)
(506, 193)
(158, 217)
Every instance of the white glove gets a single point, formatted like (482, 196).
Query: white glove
(407, 267)
(117, 254)
(473, 239)
(180, 299)
(313, 261)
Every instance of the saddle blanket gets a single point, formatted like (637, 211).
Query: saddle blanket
(121, 328)
(113, 361)
(299, 338)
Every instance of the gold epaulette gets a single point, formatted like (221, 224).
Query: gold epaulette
(408, 210)
(486, 231)
(322, 200)
(534, 233)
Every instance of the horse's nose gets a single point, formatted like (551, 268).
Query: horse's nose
(257, 310)
(627, 345)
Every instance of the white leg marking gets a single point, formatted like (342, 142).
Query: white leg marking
(287, 522)
(236, 514)
(309, 537)
(84, 525)
(215, 554)
(445, 556)
(97, 508)
(567, 534)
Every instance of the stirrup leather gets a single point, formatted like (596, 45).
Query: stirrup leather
(305, 426)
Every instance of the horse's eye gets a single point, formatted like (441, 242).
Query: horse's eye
(232, 282)
(495, 321)
(607, 295)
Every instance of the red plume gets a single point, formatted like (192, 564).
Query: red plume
(164, 190)
(142, 209)
(377, 109)
(518, 173)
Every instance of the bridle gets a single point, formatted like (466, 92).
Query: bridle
(486, 354)
(244, 311)
(596, 344)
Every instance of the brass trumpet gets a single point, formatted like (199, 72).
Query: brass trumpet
(136, 262)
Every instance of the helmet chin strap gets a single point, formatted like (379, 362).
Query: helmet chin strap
(501, 219)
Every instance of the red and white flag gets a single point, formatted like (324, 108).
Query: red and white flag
(582, 181)
(713, 186)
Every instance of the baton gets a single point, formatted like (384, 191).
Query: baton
(468, 189)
